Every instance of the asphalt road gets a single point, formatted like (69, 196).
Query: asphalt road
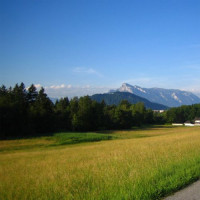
(191, 192)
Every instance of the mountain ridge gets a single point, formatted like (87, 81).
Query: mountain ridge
(168, 97)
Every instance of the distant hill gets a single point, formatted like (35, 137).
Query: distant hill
(168, 97)
(117, 97)
(53, 99)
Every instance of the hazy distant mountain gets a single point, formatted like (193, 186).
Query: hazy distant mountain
(168, 97)
(117, 97)
(53, 99)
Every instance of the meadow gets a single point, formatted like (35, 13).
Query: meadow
(137, 164)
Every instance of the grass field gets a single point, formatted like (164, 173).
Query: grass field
(140, 164)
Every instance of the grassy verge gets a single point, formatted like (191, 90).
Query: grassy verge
(160, 162)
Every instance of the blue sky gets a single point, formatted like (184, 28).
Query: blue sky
(82, 47)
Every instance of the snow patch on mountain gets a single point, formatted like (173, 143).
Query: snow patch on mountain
(161, 94)
(140, 89)
(175, 97)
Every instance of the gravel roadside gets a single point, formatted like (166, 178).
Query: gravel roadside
(191, 192)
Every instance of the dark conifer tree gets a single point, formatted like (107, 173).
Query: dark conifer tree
(32, 94)
(84, 118)
(62, 114)
(42, 113)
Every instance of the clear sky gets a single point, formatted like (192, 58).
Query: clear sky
(76, 47)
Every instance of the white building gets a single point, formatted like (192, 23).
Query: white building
(159, 111)
(177, 124)
(197, 122)
(188, 123)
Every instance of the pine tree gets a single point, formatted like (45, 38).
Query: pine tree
(32, 94)
(62, 114)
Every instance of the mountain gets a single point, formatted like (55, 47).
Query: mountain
(168, 97)
(53, 99)
(117, 97)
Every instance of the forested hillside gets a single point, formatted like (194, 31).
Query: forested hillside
(117, 97)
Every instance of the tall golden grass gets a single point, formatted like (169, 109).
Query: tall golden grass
(137, 168)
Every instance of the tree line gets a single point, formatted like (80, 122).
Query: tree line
(27, 112)
(183, 113)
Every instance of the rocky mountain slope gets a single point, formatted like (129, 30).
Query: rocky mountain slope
(168, 97)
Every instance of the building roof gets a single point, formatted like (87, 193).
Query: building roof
(188, 122)
(197, 118)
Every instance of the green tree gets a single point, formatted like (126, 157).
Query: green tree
(85, 115)
(149, 118)
(5, 113)
(62, 114)
(32, 94)
(123, 115)
(42, 114)
(138, 113)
